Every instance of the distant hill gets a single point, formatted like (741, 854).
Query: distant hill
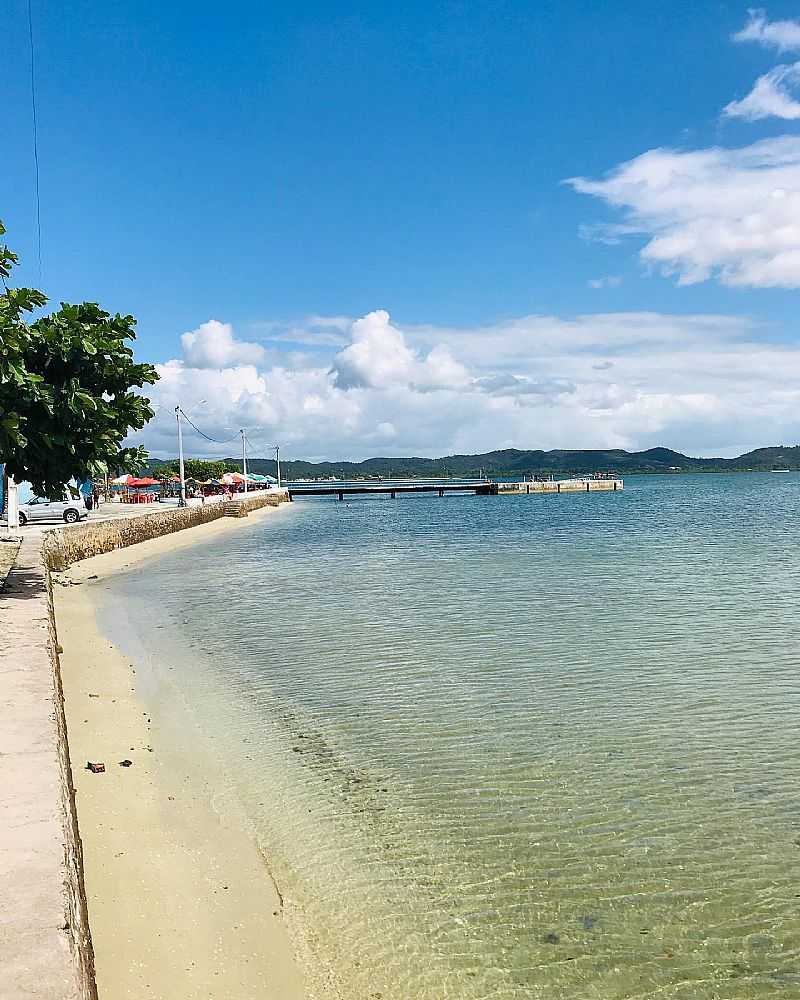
(514, 462)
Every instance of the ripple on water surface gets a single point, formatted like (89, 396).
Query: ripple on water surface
(513, 747)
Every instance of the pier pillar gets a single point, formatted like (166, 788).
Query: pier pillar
(441, 493)
(341, 495)
(394, 495)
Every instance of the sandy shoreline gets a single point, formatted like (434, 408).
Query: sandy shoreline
(181, 903)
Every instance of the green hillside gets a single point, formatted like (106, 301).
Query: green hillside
(514, 462)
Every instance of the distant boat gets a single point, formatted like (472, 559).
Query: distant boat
(780, 470)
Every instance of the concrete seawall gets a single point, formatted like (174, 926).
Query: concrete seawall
(45, 939)
(81, 541)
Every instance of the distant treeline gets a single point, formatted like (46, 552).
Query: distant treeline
(514, 462)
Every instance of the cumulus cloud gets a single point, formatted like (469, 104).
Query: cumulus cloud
(770, 97)
(378, 356)
(696, 382)
(212, 345)
(729, 213)
(781, 35)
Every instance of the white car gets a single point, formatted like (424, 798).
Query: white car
(41, 509)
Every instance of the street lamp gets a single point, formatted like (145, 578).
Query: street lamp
(182, 498)
(178, 412)
(12, 505)
(244, 458)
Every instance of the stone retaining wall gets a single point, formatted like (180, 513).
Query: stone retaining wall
(76, 923)
(91, 538)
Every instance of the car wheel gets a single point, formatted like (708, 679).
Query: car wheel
(23, 520)
(71, 516)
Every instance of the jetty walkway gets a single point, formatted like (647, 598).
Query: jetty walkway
(480, 487)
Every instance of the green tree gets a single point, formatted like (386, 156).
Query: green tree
(197, 468)
(66, 381)
(14, 340)
(164, 471)
(201, 470)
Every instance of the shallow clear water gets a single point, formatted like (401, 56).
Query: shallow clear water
(501, 747)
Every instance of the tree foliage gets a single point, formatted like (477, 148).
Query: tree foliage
(197, 468)
(15, 337)
(66, 381)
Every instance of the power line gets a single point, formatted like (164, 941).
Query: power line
(35, 140)
(203, 433)
(260, 444)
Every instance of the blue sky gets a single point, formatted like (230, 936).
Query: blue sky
(289, 171)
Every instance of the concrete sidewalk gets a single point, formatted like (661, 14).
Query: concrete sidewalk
(112, 510)
(38, 915)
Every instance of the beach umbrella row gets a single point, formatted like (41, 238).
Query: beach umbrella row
(229, 479)
(234, 478)
(134, 481)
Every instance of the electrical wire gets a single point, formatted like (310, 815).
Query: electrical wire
(266, 447)
(203, 433)
(35, 141)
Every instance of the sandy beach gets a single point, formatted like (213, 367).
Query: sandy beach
(181, 902)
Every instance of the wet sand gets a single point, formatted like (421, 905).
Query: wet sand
(181, 902)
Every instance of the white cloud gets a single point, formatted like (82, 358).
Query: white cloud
(699, 383)
(379, 356)
(212, 345)
(313, 331)
(770, 96)
(609, 281)
(781, 35)
(729, 213)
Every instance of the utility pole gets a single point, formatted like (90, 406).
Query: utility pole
(244, 458)
(12, 505)
(182, 500)
(278, 464)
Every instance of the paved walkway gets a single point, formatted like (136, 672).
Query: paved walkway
(35, 944)
(112, 509)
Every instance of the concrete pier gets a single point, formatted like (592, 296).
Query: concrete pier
(481, 487)
(560, 486)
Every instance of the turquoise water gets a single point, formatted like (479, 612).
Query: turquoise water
(500, 747)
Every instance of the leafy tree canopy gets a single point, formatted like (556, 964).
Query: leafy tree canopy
(196, 468)
(66, 381)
